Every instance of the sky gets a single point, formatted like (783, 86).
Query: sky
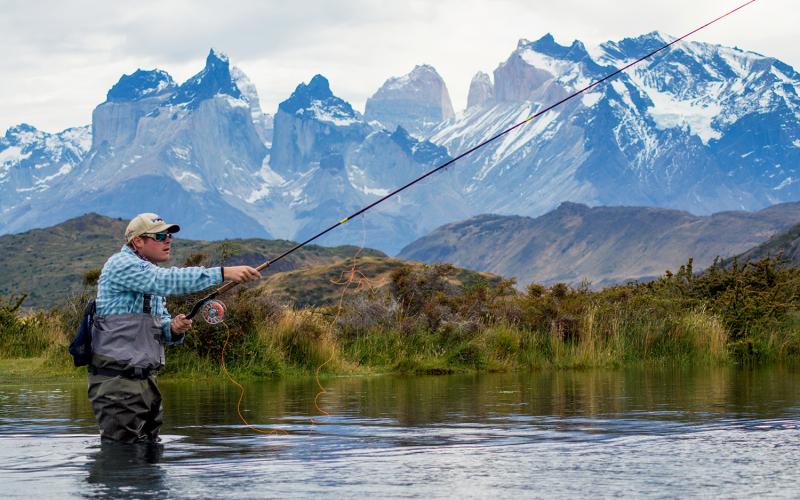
(60, 58)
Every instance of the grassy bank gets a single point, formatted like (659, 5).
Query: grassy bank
(424, 323)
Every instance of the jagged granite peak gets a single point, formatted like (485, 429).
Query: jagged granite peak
(545, 71)
(481, 90)
(262, 121)
(416, 101)
(215, 78)
(316, 100)
(547, 45)
(141, 84)
(314, 128)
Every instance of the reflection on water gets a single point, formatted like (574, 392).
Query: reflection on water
(637, 432)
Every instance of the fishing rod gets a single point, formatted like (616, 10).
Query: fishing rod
(214, 310)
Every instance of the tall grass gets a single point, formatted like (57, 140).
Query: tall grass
(423, 323)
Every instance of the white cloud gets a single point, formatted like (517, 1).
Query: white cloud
(60, 58)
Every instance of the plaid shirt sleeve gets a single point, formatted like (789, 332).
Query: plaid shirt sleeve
(127, 272)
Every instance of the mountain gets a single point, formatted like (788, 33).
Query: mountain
(33, 162)
(48, 264)
(186, 151)
(416, 101)
(699, 127)
(604, 245)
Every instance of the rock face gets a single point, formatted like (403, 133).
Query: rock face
(416, 101)
(604, 245)
(481, 91)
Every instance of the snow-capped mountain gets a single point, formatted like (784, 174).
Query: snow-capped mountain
(699, 127)
(33, 162)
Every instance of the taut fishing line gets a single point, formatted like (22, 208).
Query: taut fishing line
(213, 311)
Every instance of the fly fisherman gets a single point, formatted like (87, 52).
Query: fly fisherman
(132, 325)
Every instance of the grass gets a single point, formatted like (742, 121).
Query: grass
(424, 321)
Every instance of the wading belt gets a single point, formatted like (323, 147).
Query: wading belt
(137, 373)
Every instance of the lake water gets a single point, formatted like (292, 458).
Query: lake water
(638, 432)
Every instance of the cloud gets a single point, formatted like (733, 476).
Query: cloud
(60, 58)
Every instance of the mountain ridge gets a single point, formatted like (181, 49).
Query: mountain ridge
(604, 245)
(700, 127)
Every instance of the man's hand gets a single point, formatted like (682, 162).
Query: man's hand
(180, 324)
(241, 274)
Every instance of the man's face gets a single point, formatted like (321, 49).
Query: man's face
(151, 249)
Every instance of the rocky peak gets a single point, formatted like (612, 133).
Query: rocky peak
(140, 84)
(481, 90)
(547, 45)
(316, 101)
(22, 133)
(215, 78)
(416, 101)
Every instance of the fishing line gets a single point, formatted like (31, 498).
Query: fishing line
(353, 275)
(227, 286)
(241, 390)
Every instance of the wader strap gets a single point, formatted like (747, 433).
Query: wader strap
(146, 303)
(137, 373)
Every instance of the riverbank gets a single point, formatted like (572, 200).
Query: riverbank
(423, 323)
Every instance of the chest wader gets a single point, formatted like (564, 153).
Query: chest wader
(127, 352)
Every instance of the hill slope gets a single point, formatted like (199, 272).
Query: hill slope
(604, 245)
(48, 264)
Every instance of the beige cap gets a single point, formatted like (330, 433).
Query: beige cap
(148, 223)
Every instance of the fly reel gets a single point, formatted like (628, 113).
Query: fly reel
(213, 312)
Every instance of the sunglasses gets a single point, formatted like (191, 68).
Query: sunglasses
(158, 236)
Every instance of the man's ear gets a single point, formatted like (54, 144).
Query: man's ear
(137, 242)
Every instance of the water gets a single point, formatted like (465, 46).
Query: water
(655, 433)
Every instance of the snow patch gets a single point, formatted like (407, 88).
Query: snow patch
(330, 115)
(591, 98)
(181, 153)
(233, 101)
(786, 182)
(668, 112)
(13, 154)
(188, 180)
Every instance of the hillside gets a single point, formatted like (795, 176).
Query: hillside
(323, 284)
(48, 264)
(786, 243)
(604, 245)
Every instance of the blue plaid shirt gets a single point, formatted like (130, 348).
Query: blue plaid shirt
(126, 277)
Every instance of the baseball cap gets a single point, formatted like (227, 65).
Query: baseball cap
(148, 223)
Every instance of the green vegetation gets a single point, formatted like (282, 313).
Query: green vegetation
(424, 319)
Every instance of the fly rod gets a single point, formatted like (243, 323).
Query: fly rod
(213, 310)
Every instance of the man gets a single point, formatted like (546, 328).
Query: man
(132, 325)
